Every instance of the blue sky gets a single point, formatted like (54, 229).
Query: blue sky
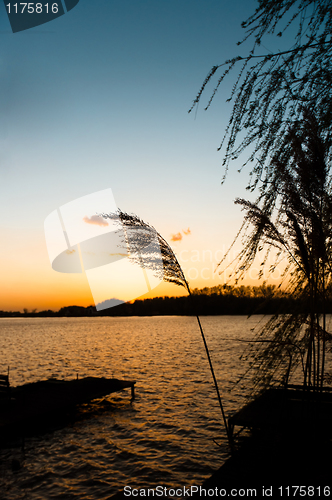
(99, 98)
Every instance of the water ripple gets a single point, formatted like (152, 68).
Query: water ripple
(165, 437)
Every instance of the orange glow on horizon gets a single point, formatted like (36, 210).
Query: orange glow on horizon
(78, 293)
(29, 282)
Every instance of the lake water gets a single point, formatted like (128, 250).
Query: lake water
(165, 437)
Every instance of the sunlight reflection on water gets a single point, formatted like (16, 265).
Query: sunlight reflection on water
(164, 437)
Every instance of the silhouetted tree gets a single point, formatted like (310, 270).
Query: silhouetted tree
(300, 228)
(282, 112)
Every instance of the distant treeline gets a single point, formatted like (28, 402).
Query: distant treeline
(217, 300)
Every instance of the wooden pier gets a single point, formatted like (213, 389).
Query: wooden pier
(288, 410)
(30, 407)
(290, 443)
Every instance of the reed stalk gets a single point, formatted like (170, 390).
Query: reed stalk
(139, 235)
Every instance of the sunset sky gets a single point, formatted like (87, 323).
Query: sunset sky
(98, 99)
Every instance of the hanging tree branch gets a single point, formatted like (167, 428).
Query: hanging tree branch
(271, 89)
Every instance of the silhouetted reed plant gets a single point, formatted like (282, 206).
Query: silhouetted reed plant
(293, 216)
(148, 249)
